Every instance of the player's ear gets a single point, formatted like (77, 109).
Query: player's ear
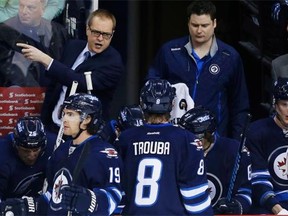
(214, 23)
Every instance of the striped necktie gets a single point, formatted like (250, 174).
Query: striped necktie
(87, 55)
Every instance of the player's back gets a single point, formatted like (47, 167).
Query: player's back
(163, 172)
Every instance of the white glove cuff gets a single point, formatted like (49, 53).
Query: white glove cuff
(283, 212)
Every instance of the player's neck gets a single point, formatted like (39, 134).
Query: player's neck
(202, 49)
(157, 119)
(81, 138)
(280, 123)
(207, 146)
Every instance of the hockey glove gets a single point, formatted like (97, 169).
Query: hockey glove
(18, 207)
(78, 199)
(223, 206)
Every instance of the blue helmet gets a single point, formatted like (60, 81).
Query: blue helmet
(130, 116)
(29, 133)
(156, 96)
(198, 120)
(85, 104)
(280, 91)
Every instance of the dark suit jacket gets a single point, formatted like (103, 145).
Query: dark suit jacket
(107, 68)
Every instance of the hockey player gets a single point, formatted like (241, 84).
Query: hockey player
(24, 155)
(220, 153)
(129, 116)
(84, 172)
(267, 141)
(164, 172)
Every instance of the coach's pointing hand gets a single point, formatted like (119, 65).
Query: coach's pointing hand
(34, 54)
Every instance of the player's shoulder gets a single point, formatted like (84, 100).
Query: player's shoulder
(227, 144)
(179, 131)
(167, 131)
(261, 125)
(51, 140)
(185, 138)
(6, 143)
(103, 149)
(61, 151)
(227, 141)
(96, 142)
(7, 149)
(263, 131)
(262, 121)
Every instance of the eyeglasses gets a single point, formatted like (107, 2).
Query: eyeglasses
(97, 33)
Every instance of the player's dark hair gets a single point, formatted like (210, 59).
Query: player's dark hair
(201, 7)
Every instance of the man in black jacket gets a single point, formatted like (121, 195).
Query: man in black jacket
(105, 64)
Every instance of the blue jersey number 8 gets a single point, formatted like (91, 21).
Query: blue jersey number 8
(148, 182)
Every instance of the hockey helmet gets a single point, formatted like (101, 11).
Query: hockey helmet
(130, 116)
(156, 96)
(85, 104)
(198, 120)
(280, 91)
(29, 133)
